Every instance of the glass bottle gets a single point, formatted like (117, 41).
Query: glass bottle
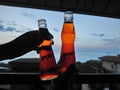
(67, 57)
(48, 66)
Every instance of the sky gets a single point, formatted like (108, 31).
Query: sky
(95, 35)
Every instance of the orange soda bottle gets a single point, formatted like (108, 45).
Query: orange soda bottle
(67, 57)
(48, 66)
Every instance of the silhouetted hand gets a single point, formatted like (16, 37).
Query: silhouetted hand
(23, 44)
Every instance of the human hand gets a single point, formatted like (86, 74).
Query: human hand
(23, 44)
(46, 40)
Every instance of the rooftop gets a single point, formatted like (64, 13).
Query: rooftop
(25, 65)
(115, 59)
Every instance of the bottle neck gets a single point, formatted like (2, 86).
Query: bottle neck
(43, 26)
(69, 20)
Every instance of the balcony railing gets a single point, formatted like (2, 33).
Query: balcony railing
(31, 78)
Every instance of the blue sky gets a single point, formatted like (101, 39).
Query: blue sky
(94, 34)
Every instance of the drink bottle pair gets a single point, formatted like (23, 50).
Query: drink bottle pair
(48, 67)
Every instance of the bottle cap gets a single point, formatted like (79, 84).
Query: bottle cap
(68, 16)
(42, 23)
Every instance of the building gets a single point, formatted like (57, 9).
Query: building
(111, 63)
(25, 65)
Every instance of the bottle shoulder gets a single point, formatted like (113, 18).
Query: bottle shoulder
(43, 28)
(68, 24)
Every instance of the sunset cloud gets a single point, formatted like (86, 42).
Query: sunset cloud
(56, 30)
(29, 15)
(1, 27)
(113, 41)
(10, 26)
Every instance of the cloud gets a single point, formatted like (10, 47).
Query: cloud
(25, 14)
(28, 15)
(7, 26)
(99, 35)
(10, 29)
(25, 28)
(55, 29)
(1, 27)
(12, 23)
(1, 21)
(11, 26)
(113, 41)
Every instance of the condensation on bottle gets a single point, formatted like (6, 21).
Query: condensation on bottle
(48, 66)
(67, 56)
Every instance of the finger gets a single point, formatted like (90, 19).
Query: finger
(52, 42)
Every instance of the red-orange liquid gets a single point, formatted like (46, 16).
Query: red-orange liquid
(67, 51)
(48, 67)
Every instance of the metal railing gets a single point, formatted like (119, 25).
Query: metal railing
(18, 78)
(29, 78)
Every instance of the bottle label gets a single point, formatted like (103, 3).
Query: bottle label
(47, 57)
(64, 55)
(47, 61)
(67, 59)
